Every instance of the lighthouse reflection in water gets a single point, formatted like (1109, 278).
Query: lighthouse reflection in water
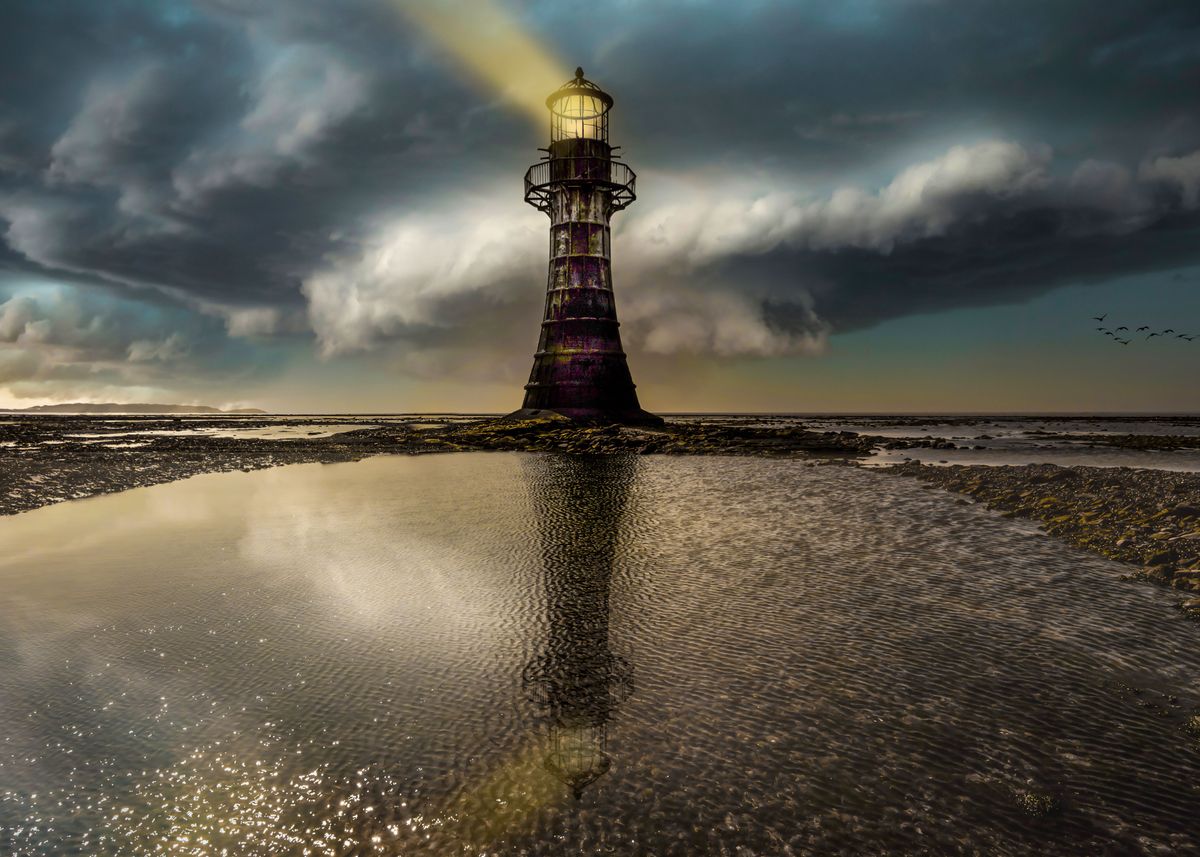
(576, 679)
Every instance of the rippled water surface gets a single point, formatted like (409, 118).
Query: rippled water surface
(523, 654)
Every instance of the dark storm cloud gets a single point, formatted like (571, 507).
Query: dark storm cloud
(219, 149)
(264, 161)
(974, 266)
(991, 223)
(835, 82)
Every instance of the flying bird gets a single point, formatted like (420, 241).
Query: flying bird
(1168, 330)
(1122, 327)
(1188, 338)
(1102, 329)
(1100, 317)
(1123, 341)
(1153, 335)
(1143, 327)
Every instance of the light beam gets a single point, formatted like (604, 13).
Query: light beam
(493, 47)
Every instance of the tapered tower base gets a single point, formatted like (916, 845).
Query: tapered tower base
(589, 416)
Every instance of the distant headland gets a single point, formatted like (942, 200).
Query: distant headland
(112, 408)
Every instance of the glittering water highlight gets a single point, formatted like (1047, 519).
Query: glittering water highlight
(511, 653)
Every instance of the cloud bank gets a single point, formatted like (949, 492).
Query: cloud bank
(988, 222)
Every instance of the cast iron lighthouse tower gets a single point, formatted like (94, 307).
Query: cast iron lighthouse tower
(580, 370)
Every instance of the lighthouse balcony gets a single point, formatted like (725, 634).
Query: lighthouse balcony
(543, 178)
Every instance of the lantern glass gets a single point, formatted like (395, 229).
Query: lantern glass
(578, 116)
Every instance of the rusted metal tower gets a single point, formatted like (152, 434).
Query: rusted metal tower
(580, 370)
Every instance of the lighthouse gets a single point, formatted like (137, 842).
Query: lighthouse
(580, 370)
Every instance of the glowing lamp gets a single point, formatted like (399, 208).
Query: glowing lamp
(579, 111)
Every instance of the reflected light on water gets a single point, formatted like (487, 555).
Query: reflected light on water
(536, 654)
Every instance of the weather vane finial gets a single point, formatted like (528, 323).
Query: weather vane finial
(579, 72)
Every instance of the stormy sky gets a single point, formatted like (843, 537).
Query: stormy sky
(900, 205)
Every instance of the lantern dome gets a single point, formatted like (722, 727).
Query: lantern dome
(579, 110)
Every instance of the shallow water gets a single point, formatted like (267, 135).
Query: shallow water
(720, 655)
(1012, 441)
(288, 432)
(1061, 454)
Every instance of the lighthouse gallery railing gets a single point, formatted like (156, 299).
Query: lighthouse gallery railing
(544, 176)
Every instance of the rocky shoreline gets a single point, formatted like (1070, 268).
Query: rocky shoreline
(1156, 442)
(46, 460)
(1148, 518)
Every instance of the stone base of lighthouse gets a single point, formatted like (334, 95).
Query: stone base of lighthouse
(590, 416)
(580, 371)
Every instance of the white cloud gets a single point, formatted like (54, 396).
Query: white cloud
(713, 323)
(450, 269)
(102, 144)
(163, 350)
(415, 269)
(923, 201)
(53, 321)
(442, 280)
(16, 314)
(1182, 172)
(250, 322)
(301, 96)
(59, 344)
(123, 138)
(39, 227)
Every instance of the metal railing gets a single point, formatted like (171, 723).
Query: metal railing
(543, 177)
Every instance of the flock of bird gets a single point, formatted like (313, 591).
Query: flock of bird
(1115, 332)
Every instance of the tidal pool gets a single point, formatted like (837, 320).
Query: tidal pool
(513, 653)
